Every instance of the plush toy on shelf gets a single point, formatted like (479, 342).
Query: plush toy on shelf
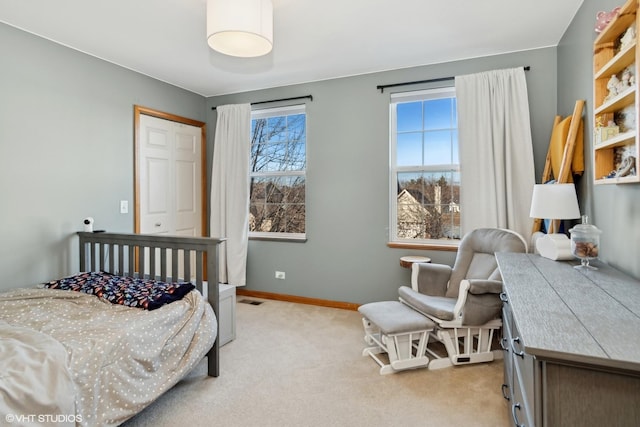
(628, 37)
(603, 18)
(612, 85)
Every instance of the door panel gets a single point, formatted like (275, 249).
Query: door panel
(186, 208)
(188, 170)
(157, 137)
(156, 213)
(155, 173)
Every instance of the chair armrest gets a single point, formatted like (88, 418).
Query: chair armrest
(480, 306)
(481, 286)
(430, 279)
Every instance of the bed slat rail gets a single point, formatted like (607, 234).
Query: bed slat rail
(146, 255)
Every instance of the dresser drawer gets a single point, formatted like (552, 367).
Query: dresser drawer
(505, 343)
(524, 369)
(521, 408)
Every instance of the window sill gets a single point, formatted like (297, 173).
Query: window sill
(273, 237)
(450, 247)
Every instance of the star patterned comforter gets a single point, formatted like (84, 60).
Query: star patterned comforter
(115, 359)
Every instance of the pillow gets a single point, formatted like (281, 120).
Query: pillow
(130, 291)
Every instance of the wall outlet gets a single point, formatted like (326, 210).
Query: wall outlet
(280, 275)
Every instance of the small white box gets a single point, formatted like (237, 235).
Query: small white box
(227, 313)
(605, 132)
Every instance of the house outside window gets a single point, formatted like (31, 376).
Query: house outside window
(425, 167)
(277, 173)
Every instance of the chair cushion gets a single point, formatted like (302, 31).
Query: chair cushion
(440, 307)
(393, 317)
(430, 279)
(476, 255)
(480, 287)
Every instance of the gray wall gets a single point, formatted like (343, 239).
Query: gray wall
(615, 209)
(346, 257)
(66, 150)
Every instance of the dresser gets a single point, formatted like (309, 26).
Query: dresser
(572, 343)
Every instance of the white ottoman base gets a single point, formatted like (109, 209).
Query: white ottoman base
(395, 329)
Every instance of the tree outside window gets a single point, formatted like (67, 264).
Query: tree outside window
(277, 172)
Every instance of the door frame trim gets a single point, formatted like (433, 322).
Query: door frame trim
(137, 111)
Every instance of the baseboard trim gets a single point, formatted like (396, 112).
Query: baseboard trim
(297, 299)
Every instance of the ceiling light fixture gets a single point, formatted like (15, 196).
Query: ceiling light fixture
(242, 28)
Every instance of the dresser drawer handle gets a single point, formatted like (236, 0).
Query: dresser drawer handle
(503, 343)
(515, 415)
(503, 297)
(505, 387)
(513, 347)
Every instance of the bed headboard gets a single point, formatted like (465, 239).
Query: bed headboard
(160, 257)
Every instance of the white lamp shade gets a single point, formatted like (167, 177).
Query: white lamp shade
(554, 201)
(241, 28)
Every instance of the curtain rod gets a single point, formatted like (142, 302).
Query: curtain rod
(441, 79)
(309, 97)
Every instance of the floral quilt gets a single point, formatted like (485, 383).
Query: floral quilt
(130, 291)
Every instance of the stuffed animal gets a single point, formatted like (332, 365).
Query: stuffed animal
(631, 72)
(628, 37)
(626, 118)
(612, 85)
(603, 18)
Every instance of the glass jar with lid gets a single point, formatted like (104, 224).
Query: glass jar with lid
(585, 242)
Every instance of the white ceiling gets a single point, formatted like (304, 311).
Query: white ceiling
(313, 39)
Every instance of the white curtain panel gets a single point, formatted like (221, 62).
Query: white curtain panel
(230, 190)
(496, 151)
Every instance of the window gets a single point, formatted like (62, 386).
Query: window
(425, 170)
(277, 173)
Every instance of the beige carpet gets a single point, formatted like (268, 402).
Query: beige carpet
(301, 365)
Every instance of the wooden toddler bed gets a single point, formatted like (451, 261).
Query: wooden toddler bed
(99, 356)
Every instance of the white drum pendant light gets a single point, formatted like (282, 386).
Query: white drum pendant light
(241, 28)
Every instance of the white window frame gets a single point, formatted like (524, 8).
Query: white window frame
(403, 97)
(265, 113)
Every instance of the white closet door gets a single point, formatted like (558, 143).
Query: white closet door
(170, 177)
(170, 171)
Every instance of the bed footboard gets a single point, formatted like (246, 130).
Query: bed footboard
(160, 257)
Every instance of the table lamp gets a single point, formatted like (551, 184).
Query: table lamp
(554, 202)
